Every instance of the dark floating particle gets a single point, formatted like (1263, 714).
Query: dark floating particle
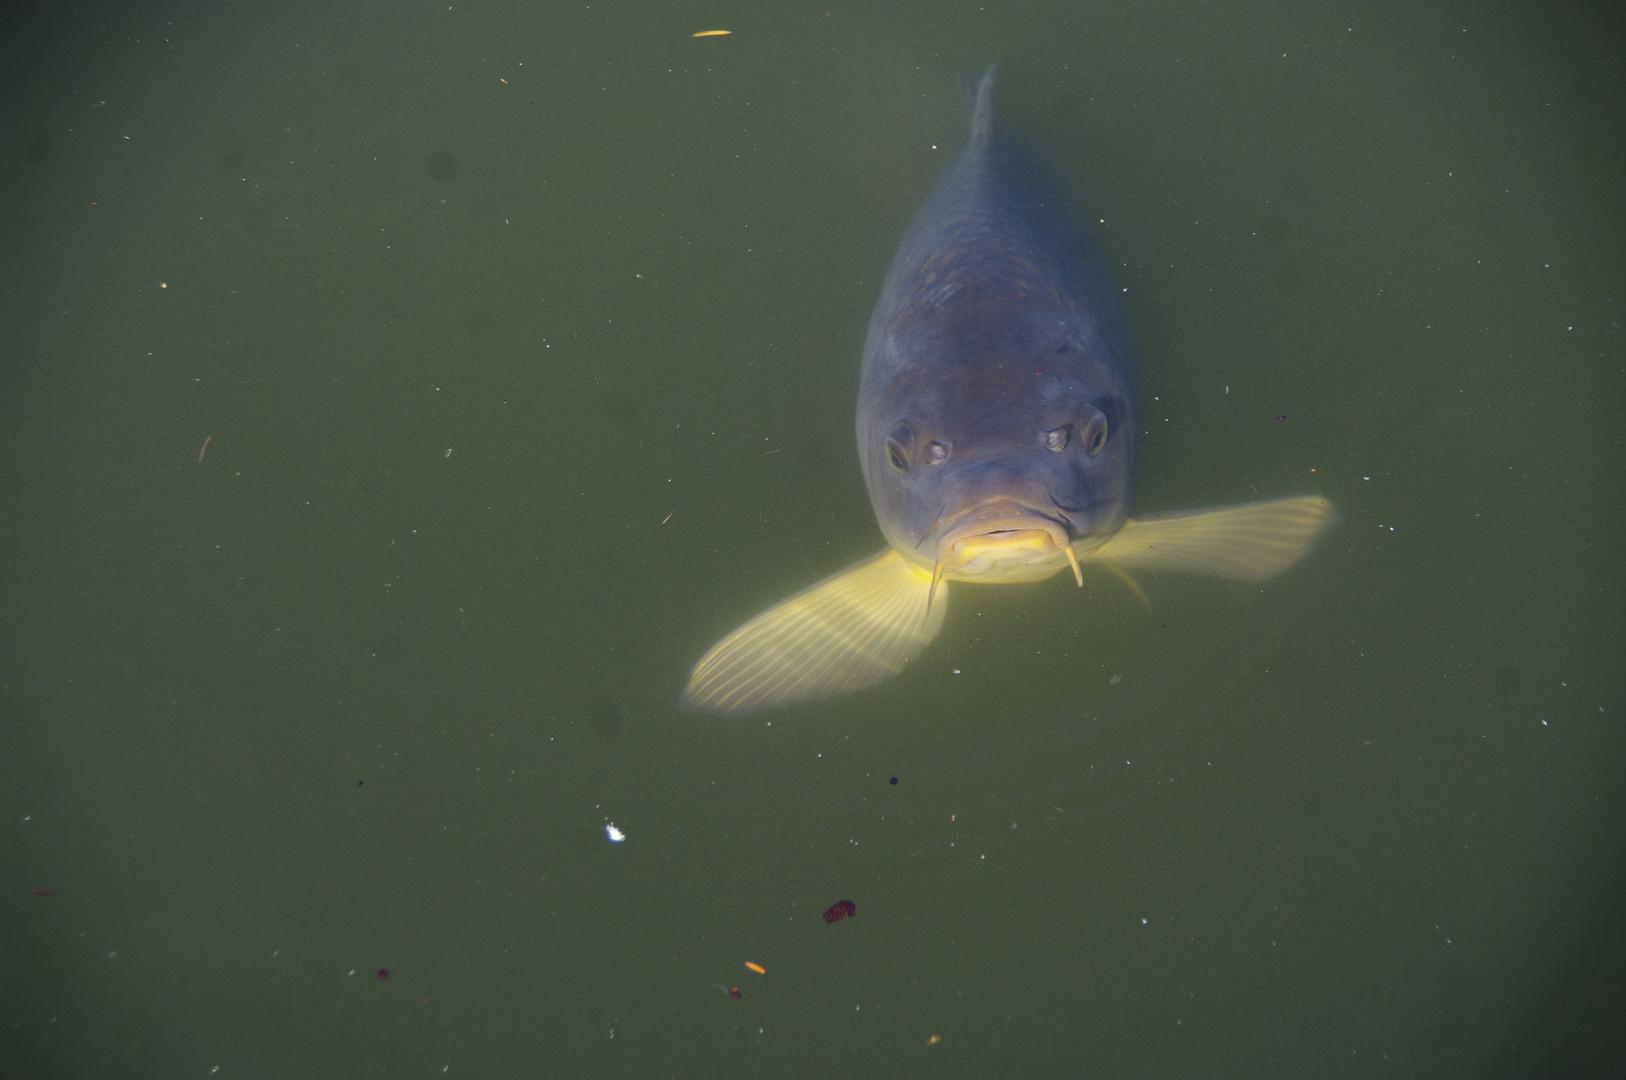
(894, 779)
(383, 973)
(360, 782)
(1280, 417)
(840, 911)
(44, 892)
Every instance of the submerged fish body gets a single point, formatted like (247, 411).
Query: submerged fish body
(995, 427)
(995, 398)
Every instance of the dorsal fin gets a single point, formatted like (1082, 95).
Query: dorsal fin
(979, 102)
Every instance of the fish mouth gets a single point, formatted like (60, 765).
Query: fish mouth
(1001, 541)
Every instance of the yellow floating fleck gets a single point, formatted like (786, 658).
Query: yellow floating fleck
(756, 967)
(934, 1040)
(714, 33)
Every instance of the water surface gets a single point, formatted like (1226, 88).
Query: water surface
(524, 340)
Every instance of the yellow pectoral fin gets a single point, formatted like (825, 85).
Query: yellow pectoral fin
(1248, 543)
(851, 630)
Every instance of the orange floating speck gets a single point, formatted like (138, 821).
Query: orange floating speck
(756, 967)
(934, 1040)
(714, 33)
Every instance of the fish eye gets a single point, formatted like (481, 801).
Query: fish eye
(1055, 440)
(1092, 430)
(936, 453)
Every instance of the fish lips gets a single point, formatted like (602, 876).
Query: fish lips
(997, 538)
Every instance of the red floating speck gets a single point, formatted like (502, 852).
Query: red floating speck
(383, 973)
(734, 993)
(840, 911)
(44, 892)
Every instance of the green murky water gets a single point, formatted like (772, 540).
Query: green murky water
(524, 339)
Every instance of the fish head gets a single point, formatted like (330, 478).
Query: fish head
(995, 474)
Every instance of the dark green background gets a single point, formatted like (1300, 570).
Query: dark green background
(469, 297)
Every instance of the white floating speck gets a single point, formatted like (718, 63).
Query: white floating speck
(614, 834)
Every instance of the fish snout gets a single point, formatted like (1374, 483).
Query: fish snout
(1005, 542)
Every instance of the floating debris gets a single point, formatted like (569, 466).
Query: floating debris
(839, 911)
